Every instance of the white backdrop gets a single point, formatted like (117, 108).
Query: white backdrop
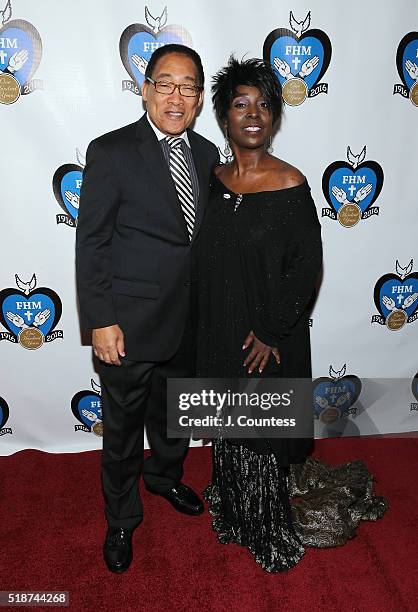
(80, 96)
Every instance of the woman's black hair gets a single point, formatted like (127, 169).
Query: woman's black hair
(251, 72)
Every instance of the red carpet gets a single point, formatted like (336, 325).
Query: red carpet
(52, 529)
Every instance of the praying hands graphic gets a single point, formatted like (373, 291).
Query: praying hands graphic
(390, 304)
(72, 198)
(139, 62)
(17, 60)
(18, 321)
(409, 300)
(91, 416)
(283, 67)
(322, 402)
(412, 69)
(341, 196)
(345, 397)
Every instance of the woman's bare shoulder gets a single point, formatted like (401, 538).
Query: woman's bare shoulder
(221, 169)
(288, 175)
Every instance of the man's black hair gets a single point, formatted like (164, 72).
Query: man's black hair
(175, 48)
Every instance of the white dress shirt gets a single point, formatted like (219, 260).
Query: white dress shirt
(161, 136)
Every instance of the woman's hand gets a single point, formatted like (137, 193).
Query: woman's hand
(260, 353)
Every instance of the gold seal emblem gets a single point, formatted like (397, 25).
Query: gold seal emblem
(413, 94)
(295, 91)
(349, 214)
(396, 320)
(330, 415)
(9, 89)
(97, 428)
(31, 338)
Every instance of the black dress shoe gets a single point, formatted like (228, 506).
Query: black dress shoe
(182, 498)
(117, 549)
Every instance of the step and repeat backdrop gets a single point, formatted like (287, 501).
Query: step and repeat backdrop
(71, 71)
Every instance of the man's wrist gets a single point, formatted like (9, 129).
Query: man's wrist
(103, 326)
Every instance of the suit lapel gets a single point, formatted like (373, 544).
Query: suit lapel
(153, 158)
(202, 175)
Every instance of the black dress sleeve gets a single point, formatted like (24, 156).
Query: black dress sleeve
(302, 261)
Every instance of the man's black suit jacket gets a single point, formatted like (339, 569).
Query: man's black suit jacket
(133, 254)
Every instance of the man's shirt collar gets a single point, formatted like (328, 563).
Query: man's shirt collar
(161, 136)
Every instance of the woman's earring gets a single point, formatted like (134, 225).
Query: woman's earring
(270, 146)
(227, 148)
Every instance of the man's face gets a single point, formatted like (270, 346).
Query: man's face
(172, 113)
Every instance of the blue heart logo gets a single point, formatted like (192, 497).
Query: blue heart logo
(21, 36)
(406, 55)
(393, 292)
(86, 406)
(138, 42)
(41, 308)
(414, 386)
(295, 51)
(66, 184)
(366, 179)
(4, 412)
(338, 395)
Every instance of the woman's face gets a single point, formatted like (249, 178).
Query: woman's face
(249, 119)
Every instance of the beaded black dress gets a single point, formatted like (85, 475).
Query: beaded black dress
(258, 260)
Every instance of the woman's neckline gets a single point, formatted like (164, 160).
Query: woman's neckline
(247, 193)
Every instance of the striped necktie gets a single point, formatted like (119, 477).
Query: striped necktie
(182, 181)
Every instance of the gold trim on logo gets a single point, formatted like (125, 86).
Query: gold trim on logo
(294, 91)
(413, 94)
(330, 415)
(31, 338)
(349, 214)
(9, 89)
(396, 320)
(97, 428)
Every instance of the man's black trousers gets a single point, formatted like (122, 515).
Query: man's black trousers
(134, 395)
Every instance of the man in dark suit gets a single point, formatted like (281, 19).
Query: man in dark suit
(142, 202)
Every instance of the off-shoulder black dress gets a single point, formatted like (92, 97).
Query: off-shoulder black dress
(258, 259)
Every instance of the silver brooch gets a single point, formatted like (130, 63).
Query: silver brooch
(238, 202)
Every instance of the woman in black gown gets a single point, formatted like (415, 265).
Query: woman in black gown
(259, 256)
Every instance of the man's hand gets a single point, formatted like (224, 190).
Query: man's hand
(109, 344)
(260, 353)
